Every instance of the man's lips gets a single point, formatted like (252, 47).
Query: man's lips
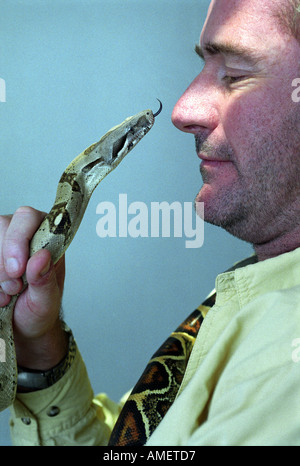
(206, 158)
(212, 161)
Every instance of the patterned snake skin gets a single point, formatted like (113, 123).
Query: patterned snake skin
(157, 388)
(59, 227)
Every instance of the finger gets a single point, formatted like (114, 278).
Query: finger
(38, 267)
(15, 244)
(12, 286)
(4, 224)
(45, 280)
(38, 307)
(8, 287)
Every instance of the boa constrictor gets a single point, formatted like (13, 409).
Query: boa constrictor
(58, 229)
(158, 385)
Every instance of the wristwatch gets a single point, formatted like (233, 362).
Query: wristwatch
(30, 380)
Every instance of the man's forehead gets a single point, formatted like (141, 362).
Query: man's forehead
(254, 10)
(258, 6)
(240, 28)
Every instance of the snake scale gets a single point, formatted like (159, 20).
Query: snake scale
(59, 227)
(158, 386)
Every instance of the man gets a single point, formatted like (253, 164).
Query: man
(241, 384)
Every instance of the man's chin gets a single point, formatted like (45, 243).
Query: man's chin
(220, 212)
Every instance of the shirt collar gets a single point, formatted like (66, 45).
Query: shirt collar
(256, 278)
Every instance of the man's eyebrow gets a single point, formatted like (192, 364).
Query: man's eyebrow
(212, 48)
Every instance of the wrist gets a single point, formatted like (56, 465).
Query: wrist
(43, 352)
(33, 379)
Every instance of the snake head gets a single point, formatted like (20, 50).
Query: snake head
(124, 137)
(117, 142)
(134, 129)
(81, 177)
(92, 165)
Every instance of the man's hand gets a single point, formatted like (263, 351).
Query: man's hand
(40, 341)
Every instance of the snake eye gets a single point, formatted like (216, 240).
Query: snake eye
(118, 145)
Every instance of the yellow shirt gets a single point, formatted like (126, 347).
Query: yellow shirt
(241, 386)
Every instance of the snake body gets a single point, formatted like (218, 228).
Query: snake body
(158, 386)
(59, 227)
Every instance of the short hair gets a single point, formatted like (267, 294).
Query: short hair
(296, 19)
(288, 15)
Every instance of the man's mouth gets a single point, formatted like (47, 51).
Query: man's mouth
(212, 162)
(210, 153)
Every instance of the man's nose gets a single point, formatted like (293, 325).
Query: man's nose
(196, 110)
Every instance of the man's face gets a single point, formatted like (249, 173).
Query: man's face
(246, 125)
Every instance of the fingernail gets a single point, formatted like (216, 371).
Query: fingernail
(45, 269)
(11, 265)
(10, 287)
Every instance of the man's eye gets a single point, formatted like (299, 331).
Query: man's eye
(233, 79)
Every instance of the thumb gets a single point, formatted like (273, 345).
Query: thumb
(38, 307)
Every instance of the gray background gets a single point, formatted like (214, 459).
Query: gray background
(73, 69)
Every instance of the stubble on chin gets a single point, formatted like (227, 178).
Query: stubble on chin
(223, 204)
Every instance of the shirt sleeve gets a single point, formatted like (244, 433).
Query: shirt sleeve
(65, 414)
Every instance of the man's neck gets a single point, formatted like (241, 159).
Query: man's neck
(279, 245)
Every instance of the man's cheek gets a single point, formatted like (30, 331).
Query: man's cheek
(244, 121)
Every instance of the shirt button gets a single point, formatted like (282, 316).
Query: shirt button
(53, 411)
(26, 420)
